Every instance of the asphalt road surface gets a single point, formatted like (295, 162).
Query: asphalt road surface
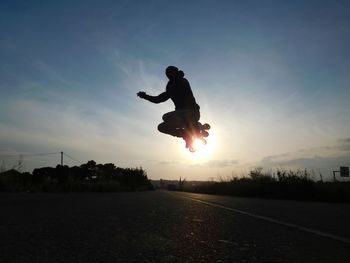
(166, 226)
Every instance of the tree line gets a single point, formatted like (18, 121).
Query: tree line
(88, 177)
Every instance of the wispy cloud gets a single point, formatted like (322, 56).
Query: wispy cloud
(324, 158)
(223, 163)
(344, 144)
(8, 151)
(346, 140)
(46, 125)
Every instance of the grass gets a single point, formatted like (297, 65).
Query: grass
(283, 184)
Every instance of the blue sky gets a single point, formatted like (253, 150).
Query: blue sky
(271, 77)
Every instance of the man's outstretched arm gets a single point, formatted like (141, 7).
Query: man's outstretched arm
(155, 99)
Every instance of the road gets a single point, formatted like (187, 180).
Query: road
(164, 226)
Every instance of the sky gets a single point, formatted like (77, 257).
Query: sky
(271, 77)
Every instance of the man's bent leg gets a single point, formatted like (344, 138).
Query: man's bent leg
(176, 121)
(174, 118)
(170, 129)
(191, 118)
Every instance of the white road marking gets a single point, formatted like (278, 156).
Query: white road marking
(275, 221)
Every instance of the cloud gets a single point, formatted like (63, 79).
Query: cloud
(222, 163)
(325, 164)
(332, 152)
(275, 158)
(168, 162)
(51, 126)
(346, 140)
(50, 73)
(219, 163)
(7, 151)
(137, 73)
(345, 144)
(324, 159)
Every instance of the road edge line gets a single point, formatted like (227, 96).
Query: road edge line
(275, 221)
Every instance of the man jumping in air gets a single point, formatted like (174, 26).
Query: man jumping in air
(183, 121)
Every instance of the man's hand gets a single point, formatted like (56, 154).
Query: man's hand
(142, 94)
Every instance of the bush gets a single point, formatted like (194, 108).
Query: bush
(89, 177)
(296, 185)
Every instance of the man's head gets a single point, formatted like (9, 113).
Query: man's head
(171, 72)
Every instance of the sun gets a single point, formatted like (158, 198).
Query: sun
(202, 151)
(198, 144)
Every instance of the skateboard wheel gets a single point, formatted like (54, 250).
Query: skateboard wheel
(205, 133)
(206, 126)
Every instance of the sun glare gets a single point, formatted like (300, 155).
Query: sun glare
(203, 151)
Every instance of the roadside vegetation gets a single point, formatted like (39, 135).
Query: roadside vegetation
(282, 184)
(89, 177)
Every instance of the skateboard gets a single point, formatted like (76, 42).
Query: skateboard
(200, 132)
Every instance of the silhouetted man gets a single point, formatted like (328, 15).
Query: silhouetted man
(186, 115)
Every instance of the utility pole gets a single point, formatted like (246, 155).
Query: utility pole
(61, 158)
